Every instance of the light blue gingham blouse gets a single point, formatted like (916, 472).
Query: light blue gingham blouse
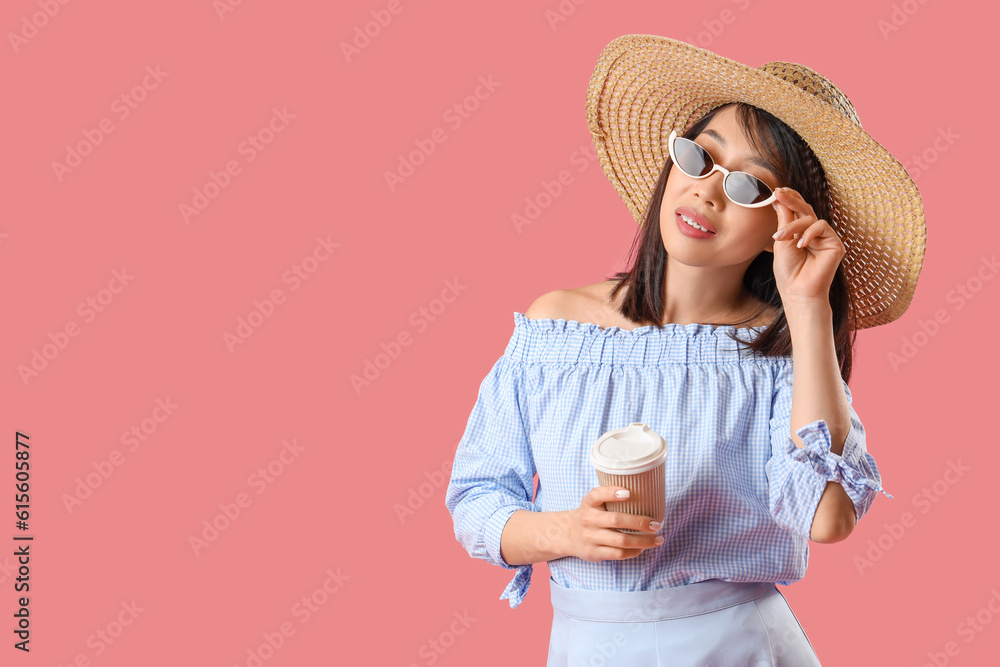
(740, 495)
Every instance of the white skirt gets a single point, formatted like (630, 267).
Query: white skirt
(714, 622)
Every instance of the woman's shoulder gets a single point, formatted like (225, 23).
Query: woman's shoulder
(589, 304)
(592, 304)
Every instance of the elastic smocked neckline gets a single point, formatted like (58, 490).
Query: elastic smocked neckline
(561, 341)
(548, 324)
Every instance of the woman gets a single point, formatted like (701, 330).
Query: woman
(748, 282)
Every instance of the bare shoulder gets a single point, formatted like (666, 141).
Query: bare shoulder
(586, 304)
(593, 304)
(551, 305)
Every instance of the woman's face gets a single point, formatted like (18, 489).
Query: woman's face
(737, 233)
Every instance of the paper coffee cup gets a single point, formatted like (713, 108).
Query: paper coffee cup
(633, 457)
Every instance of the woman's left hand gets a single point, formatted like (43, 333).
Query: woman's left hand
(803, 273)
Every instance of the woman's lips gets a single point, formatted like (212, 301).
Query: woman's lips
(687, 229)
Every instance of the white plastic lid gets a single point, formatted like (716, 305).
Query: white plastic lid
(630, 450)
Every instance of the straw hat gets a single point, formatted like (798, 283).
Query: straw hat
(644, 86)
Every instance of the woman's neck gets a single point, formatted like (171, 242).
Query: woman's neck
(706, 295)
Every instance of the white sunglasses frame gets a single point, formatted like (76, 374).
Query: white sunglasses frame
(717, 167)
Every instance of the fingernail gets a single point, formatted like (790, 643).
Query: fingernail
(774, 205)
(659, 540)
(621, 493)
(778, 234)
(799, 244)
(655, 525)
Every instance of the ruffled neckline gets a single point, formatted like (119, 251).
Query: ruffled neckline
(670, 328)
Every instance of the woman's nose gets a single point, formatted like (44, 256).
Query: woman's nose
(710, 189)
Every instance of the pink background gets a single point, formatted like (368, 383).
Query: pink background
(403, 580)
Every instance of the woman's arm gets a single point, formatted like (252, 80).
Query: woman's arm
(586, 532)
(533, 537)
(803, 272)
(818, 393)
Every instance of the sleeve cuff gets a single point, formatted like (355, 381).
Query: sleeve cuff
(833, 467)
(518, 586)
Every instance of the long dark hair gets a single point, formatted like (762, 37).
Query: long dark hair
(797, 167)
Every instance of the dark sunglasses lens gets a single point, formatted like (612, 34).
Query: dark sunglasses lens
(691, 158)
(746, 189)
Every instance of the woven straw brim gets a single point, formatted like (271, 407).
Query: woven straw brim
(644, 86)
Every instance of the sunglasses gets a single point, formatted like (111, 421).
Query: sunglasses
(740, 187)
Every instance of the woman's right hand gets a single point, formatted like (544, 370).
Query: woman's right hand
(590, 528)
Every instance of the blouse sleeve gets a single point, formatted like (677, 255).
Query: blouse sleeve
(797, 476)
(493, 474)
